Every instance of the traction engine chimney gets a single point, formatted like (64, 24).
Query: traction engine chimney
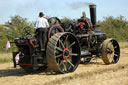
(93, 15)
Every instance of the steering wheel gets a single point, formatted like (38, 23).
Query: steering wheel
(53, 21)
(26, 31)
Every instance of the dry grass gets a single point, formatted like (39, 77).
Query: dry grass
(5, 57)
(123, 44)
(95, 73)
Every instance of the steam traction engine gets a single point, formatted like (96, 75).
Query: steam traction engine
(68, 44)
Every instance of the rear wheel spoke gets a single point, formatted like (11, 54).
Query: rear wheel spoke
(69, 67)
(59, 62)
(65, 68)
(61, 43)
(71, 45)
(73, 54)
(60, 49)
(66, 40)
(58, 55)
(70, 63)
(57, 52)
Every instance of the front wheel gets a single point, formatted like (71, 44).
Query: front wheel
(110, 51)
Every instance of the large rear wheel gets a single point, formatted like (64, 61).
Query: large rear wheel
(110, 51)
(63, 52)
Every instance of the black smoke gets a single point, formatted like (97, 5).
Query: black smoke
(78, 5)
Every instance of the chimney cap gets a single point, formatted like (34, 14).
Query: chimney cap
(92, 6)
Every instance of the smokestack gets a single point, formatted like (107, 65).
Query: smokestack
(93, 14)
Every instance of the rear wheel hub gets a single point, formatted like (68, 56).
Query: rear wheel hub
(66, 53)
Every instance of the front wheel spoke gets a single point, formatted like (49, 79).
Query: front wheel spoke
(62, 44)
(73, 54)
(60, 49)
(115, 47)
(71, 45)
(110, 49)
(115, 54)
(70, 63)
(110, 56)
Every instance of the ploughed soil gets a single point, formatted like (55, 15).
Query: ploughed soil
(94, 73)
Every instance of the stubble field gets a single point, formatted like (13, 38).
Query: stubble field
(95, 73)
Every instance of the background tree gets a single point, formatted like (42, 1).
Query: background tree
(16, 26)
(65, 19)
(3, 38)
(115, 27)
(13, 29)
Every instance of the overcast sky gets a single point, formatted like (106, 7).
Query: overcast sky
(61, 8)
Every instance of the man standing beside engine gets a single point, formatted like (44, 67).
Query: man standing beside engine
(41, 27)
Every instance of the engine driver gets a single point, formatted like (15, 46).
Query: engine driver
(83, 15)
(41, 27)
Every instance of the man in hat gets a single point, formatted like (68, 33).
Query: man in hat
(41, 27)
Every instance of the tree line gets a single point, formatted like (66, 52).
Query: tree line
(13, 29)
(116, 28)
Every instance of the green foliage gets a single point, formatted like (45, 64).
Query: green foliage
(13, 29)
(16, 27)
(3, 38)
(65, 19)
(116, 28)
